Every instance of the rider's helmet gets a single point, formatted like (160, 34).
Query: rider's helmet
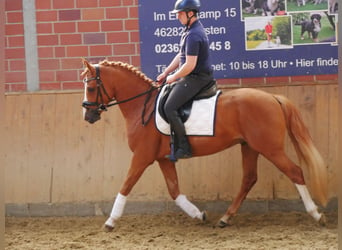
(187, 5)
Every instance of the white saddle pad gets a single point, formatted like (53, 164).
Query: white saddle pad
(201, 120)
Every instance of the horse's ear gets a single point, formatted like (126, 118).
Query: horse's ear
(88, 65)
(88, 68)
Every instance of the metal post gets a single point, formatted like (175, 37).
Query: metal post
(31, 50)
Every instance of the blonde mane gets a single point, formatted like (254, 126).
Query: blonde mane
(128, 67)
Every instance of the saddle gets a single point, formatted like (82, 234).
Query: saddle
(185, 111)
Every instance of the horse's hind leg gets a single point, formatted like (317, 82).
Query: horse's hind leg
(249, 178)
(295, 173)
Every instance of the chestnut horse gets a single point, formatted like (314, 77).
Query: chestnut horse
(255, 119)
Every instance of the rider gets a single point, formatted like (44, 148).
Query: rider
(190, 71)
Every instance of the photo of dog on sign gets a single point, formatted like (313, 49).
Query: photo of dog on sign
(312, 28)
(268, 33)
(253, 8)
(306, 5)
(333, 7)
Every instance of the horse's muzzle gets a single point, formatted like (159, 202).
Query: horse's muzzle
(92, 115)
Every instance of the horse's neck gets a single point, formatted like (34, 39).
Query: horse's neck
(127, 91)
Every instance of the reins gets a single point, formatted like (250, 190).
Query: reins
(148, 97)
(148, 92)
(100, 106)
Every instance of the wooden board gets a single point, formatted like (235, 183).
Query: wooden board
(53, 155)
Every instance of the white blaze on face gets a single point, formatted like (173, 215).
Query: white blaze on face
(85, 98)
(85, 92)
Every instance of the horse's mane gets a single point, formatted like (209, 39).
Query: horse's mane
(128, 67)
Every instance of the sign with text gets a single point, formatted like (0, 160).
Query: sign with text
(246, 39)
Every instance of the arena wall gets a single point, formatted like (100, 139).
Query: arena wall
(53, 157)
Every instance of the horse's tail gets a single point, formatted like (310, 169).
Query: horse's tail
(305, 149)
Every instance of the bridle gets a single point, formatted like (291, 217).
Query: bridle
(99, 105)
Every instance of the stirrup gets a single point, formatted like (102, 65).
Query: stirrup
(172, 156)
(182, 154)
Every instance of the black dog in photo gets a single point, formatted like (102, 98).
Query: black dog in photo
(312, 27)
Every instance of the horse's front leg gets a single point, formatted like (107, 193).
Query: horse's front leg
(136, 169)
(170, 174)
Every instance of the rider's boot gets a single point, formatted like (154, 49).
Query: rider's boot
(183, 148)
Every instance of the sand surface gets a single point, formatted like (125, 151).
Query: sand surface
(173, 231)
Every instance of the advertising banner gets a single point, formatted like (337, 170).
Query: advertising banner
(248, 38)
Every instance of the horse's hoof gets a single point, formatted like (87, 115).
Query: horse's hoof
(323, 220)
(107, 228)
(204, 216)
(221, 224)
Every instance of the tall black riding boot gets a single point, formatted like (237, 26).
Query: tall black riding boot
(183, 148)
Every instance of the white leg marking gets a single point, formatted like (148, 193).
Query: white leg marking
(117, 210)
(189, 208)
(310, 206)
(225, 218)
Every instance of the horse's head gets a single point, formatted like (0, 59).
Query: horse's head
(96, 96)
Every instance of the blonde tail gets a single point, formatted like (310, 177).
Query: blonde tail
(306, 150)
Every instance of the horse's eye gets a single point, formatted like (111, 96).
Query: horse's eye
(90, 89)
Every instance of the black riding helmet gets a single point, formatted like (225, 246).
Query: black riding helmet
(187, 5)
